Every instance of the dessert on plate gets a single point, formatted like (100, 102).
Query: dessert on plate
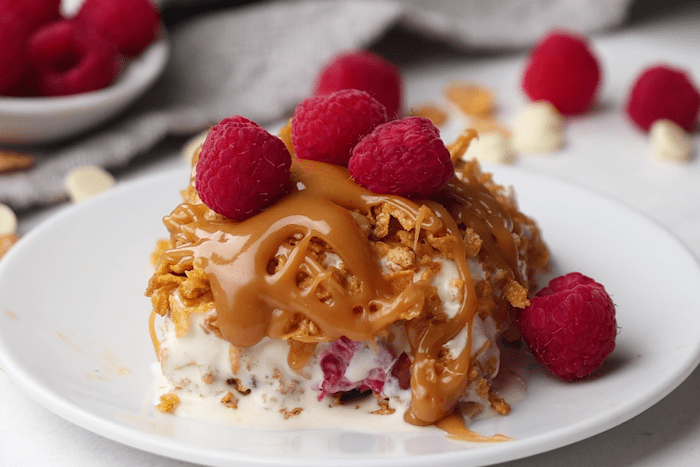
(332, 295)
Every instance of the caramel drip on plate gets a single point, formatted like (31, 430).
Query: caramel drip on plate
(455, 428)
(266, 281)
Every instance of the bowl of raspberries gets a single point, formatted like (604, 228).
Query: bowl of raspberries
(70, 69)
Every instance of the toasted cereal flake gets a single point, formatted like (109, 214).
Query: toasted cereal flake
(6, 242)
(490, 124)
(432, 112)
(168, 403)
(539, 127)
(84, 182)
(12, 161)
(491, 147)
(8, 220)
(229, 400)
(670, 142)
(473, 99)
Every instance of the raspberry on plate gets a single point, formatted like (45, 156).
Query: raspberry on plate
(563, 70)
(365, 71)
(242, 169)
(404, 157)
(663, 92)
(130, 24)
(570, 326)
(326, 128)
(70, 59)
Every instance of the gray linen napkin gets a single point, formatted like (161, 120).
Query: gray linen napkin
(260, 60)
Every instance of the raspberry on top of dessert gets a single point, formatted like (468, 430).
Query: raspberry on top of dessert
(400, 296)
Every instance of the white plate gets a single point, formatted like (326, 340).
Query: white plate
(74, 334)
(33, 120)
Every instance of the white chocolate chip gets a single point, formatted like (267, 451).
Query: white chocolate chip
(191, 147)
(539, 127)
(491, 146)
(8, 220)
(85, 182)
(670, 142)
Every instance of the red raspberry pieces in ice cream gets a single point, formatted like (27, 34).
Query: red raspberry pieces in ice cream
(663, 92)
(242, 169)
(69, 59)
(365, 71)
(563, 70)
(326, 128)
(130, 24)
(404, 157)
(570, 326)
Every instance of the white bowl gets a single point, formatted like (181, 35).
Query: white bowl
(34, 120)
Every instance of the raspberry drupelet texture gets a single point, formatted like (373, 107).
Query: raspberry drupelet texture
(130, 24)
(242, 169)
(570, 326)
(664, 92)
(326, 128)
(69, 59)
(365, 71)
(563, 70)
(404, 157)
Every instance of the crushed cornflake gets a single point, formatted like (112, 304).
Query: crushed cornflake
(168, 403)
(432, 112)
(230, 401)
(6, 242)
(13, 161)
(471, 98)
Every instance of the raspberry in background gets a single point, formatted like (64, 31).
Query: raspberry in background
(130, 24)
(13, 57)
(570, 326)
(70, 59)
(404, 157)
(663, 92)
(365, 71)
(31, 14)
(563, 70)
(242, 169)
(326, 128)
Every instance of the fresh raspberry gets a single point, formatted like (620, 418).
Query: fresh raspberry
(12, 55)
(664, 92)
(242, 169)
(403, 157)
(31, 14)
(570, 326)
(562, 69)
(130, 24)
(71, 59)
(364, 71)
(325, 128)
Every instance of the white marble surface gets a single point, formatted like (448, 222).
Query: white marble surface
(603, 152)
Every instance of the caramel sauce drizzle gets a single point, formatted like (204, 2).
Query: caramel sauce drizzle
(254, 301)
(454, 426)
